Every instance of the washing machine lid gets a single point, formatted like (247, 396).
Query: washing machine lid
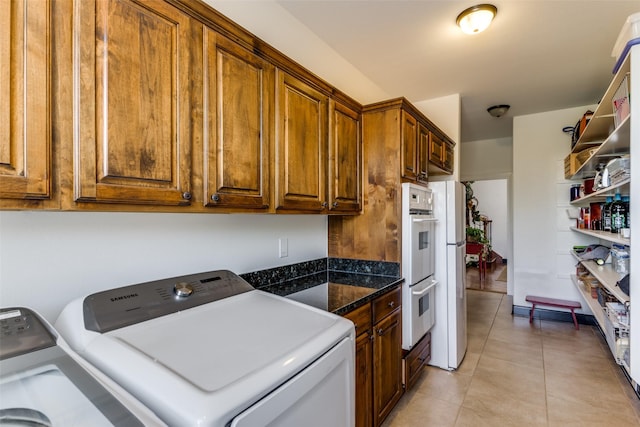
(215, 345)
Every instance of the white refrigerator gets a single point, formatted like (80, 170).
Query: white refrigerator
(449, 333)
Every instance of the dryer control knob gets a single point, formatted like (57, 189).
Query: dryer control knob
(183, 289)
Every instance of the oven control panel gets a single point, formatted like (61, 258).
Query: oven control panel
(416, 199)
(22, 332)
(117, 308)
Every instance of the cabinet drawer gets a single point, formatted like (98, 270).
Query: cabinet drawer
(416, 359)
(361, 318)
(386, 304)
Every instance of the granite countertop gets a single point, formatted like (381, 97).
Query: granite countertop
(343, 291)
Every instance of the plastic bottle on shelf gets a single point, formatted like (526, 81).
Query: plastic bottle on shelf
(618, 214)
(605, 221)
(627, 222)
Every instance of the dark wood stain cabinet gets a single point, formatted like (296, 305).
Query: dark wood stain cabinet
(25, 121)
(397, 148)
(132, 75)
(166, 105)
(344, 180)
(378, 357)
(239, 103)
(301, 151)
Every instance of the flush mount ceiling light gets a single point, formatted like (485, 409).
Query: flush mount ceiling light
(498, 110)
(477, 18)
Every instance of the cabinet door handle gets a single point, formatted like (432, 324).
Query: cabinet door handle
(383, 331)
(335, 204)
(186, 195)
(215, 197)
(391, 304)
(324, 204)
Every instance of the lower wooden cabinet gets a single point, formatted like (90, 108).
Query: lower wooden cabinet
(415, 360)
(387, 365)
(378, 358)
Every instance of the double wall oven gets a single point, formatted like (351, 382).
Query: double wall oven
(418, 263)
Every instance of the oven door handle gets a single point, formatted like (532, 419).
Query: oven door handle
(425, 290)
(423, 219)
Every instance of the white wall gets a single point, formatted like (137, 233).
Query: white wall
(541, 236)
(486, 159)
(49, 258)
(492, 202)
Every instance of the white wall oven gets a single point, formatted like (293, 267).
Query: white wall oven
(418, 263)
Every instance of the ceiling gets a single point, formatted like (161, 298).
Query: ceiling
(538, 55)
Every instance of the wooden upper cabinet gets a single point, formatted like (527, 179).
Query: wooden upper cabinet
(423, 153)
(239, 103)
(345, 159)
(25, 153)
(436, 150)
(441, 152)
(133, 71)
(447, 163)
(409, 148)
(301, 147)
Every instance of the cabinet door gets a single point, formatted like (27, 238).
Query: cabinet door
(25, 155)
(447, 163)
(436, 150)
(301, 150)
(387, 365)
(345, 160)
(408, 155)
(423, 153)
(239, 103)
(364, 380)
(132, 112)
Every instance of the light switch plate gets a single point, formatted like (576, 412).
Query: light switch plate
(283, 247)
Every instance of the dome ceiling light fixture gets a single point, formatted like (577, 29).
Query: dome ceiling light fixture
(498, 110)
(477, 18)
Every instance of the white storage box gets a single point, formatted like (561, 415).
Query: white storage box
(629, 35)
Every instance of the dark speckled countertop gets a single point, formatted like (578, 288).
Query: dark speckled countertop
(350, 283)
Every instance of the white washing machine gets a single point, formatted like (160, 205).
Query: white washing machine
(210, 350)
(42, 384)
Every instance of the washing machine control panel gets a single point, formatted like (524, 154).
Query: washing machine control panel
(128, 305)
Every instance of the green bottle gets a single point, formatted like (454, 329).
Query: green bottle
(618, 214)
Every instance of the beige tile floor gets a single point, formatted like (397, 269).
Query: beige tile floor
(517, 374)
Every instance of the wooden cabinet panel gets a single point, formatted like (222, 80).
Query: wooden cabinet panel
(133, 74)
(414, 361)
(345, 160)
(385, 304)
(436, 150)
(447, 163)
(378, 357)
(387, 367)
(409, 146)
(361, 318)
(301, 148)
(364, 379)
(423, 153)
(239, 103)
(25, 125)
